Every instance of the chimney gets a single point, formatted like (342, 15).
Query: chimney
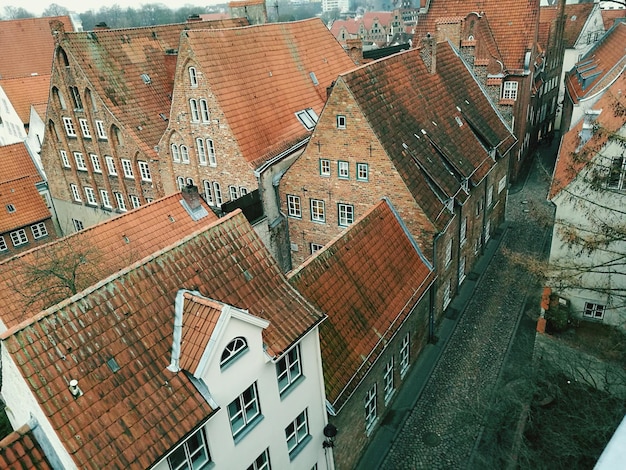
(171, 55)
(194, 18)
(191, 196)
(429, 53)
(102, 26)
(355, 50)
(57, 28)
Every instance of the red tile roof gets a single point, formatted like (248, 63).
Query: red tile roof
(367, 281)
(15, 162)
(352, 25)
(133, 416)
(261, 76)
(26, 91)
(200, 316)
(117, 60)
(27, 46)
(573, 158)
(609, 16)
(514, 23)
(415, 113)
(20, 450)
(21, 204)
(600, 66)
(577, 16)
(109, 247)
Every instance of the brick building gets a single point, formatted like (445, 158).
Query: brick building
(417, 128)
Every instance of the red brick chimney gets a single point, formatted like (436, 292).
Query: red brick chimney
(355, 50)
(191, 196)
(171, 56)
(429, 53)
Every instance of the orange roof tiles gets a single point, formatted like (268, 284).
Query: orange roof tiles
(108, 247)
(135, 415)
(514, 23)
(200, 316)
(21, 204)
(15, 162)
(415, 113)
(367, 281)
(262, 75)
(609, 16)
(117, 59)
(599, 66)
(26, 91)
(576, 17)
(27, 46)
(20, 450)
(353, 25)
(572, 158)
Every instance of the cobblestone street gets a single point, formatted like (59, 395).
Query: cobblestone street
(438, 432)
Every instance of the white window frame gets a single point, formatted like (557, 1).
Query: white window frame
(110, 162)
(201, 150)
(39, 230)
(208, 191)
(296, 434)
(64, 159)
(84, 127)
(243, 191)
(448, 255)
(294, 208)
(262, 462)
(487, 230)
(315, 247)
(217, 193)
(184, 154)
(343, 170)
(233, 193)
(447, 294)
(144, 171)
(463, 230)
(318, 211)
(489, 196)
(345, 214)
(204, 111)
(70, 130)
(90, 196)
(362, 172)
(95, 163)
(370, 408)
(193, 77)
(175, 153)
(194, 110)
(127, 168)
(308, 118)
(501, 184)
(75, 193)
(405, 354)
(593, 310)
(388, 380)
(119, 200)
(341, 121)
(289, 369)
(233, 350)
(135, 202)
(102, 134)
(324, 167)
(78, 225)
(244, 410)
(19, 237)
(509, 90)
(80, 161)
(617, 173)
(3, 244)
(211, 152)
(106, 200)
(197, 456)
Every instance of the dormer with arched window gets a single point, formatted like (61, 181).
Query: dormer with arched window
(233, 350)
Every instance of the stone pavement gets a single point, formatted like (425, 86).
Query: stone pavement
(430, 424)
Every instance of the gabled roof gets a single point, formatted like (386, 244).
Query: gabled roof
(200, 316)
(108, 247)
(26, 91)
(574, 157)
(262, 75)
(352, 25)
(576, 17)
(20, 449)
(609, 16)
(21, 204)
(513, 22)
(27, 46)
(133, 416)
(367, 281)
(436, 128)
(15, 162)
(128, 69)
(600, 66)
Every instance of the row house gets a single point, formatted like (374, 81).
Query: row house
(198, 355)
(591, 76)
(244, 104)
(110, 99)
(376, 27)
(588, 190)
(375, 286)
(499, 41)
(417, 128)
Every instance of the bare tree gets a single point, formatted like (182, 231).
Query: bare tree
(14, 13)
(54, 9)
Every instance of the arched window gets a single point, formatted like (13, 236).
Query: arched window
(175, 153)
(184, 154)
(193, 77)
(180, 182)
(118, 135)
(232, 350)
(208, 192)
(204, 111)
(189, 182)
(91, 99)
(58, 97)
(53, 130)
(193, 107)
(63, 57)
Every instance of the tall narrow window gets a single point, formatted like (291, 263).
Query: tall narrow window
(343, 169)
(388, 385)
(64, 160)
(121, 203)
(405, 354)
(341, 121)
(204, 110)
(362, 172)
(244, 410)
(448, 258)
(193, 106)
(370, 408)
(318, 213)
(297, 434)
(232, 192)
(144, 171)
(95, 163)
(3, 244)
(201, 151)
(217, 192)
(447, 294)
(463, 235)
(91, 196)
(346, 214)
(84, 127)
(69, 127)
(184, 154)
(294, 209)
(208, 192)
(104, 197)
(102, 134)
(211, 150)
(324, 167)
(75, 193)
(75, 94)
(134, 201)
(127, 167)
(80, 161)
(193, 77)
(110, 165)
(288, 369)
(489, 196)
(175, 153)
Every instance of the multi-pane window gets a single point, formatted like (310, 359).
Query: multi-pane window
(175, 153)
(294, 209)
(144, 171)
(204, 111)
(102, 134)
(64, 160)
(208, 192)
(315, 247)
(84, 127)
(308, 118)
(184, 154)
(90, 196)
(405, 354)
(616, 173)
(119, 199)
(95, 163)
(288, 369)
(346, 214)
(192, 454)
(233, 350)
(447, 294)
(127, 167)
(463, 234)
(388, 386)
(341, 121)
(211, 151)
(370, 407)
(217, 192)
(78, 224)
(75, 193)
(489, 195)
(318, 213)
(75, 94)
(502, 184)
(110, 165)
(3, 244)
(362, 172)
(195, 113)
(104, 197)
(487, 230)
(69, 127)
(343, 170)
(262, 462)
(80, 161)
(594, 310)
(324, 167)
(193, 77)
(201, 151)
(448, 255)
(296, 433)
(509, 90)
(134, 201)
(180, 182)
(243, 410)
(243, 191)
(39, 230)
(232, 192)
(462, 269)
(19, 237)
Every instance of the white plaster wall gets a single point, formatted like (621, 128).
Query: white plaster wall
(66, 211)
(11, 128)
(36, 130)
(22, 405)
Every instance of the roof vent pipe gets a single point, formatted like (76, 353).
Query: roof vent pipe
(74, 389)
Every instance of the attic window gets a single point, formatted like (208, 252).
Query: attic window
(10, 208)
(163, 116)
(314, 78)
(458, 121)
(113, 365)
(233, 350)
(308, 118)
(146, 78)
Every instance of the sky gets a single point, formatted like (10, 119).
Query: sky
(80, 6)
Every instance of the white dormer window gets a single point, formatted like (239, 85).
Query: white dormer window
(308, 118)
(193, 77)
(509, 91)
(233, 350)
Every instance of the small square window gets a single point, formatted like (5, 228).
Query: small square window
(315, 247)
(343, 170)
(3, 244)
(341, 121)
(593, 310)
(19, 237)
(324, 167)
(362, 172)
